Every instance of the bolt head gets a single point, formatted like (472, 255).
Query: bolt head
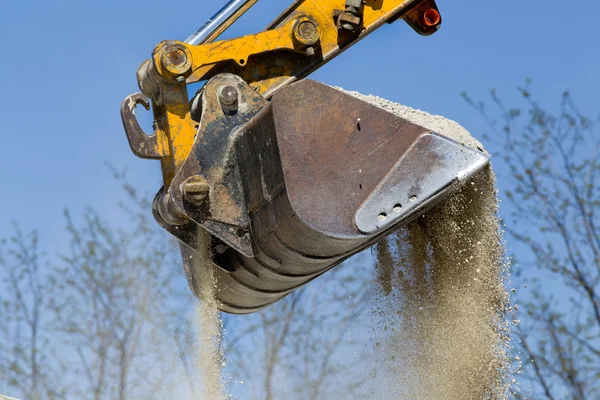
(175, 59)
(228, 95)
(195, 189)
(348, 27)
(307, 31)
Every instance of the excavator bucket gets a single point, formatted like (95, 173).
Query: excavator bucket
(291, 187)
(271, 183)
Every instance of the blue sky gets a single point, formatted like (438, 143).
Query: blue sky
(68, 64)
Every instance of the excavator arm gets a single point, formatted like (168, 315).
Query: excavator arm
(303, 38)
(284, 177)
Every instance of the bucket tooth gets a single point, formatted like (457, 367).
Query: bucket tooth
(431, 168)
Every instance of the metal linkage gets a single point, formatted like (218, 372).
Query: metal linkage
(304, 37)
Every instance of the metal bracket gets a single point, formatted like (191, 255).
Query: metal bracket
(227, 103)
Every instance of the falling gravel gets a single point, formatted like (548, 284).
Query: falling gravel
(209, 357)
(441, 329)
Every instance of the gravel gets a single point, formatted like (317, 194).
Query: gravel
(435, 123)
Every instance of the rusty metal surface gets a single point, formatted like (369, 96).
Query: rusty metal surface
(299, 195)
(295, 173)
(335, 150)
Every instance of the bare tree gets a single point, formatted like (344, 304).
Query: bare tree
(119, 301)
(299, 338)
(553, 164)
(119, 312)
(26, 358)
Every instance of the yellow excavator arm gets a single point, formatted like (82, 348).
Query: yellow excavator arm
(271, 179)
(303, 38)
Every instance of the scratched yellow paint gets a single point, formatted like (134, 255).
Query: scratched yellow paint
(177, 125)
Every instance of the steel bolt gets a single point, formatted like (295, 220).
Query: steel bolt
(195, 189)
(176, 58)
(310, 51)
(228, 95)
(307, 32)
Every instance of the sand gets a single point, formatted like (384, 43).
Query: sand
(436, 123)
(441, 330)
(443, 300)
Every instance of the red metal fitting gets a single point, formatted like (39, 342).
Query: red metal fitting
(432, 17)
